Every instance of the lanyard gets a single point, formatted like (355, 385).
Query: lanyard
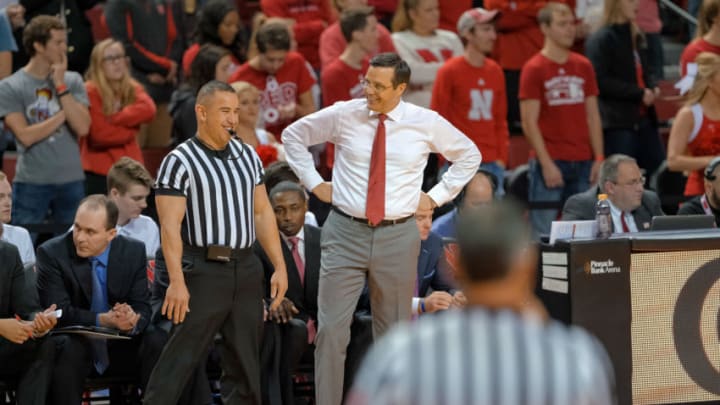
(705, 205)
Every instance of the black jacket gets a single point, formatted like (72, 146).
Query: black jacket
(79, 33)
(694, 207)
(14, 295)
(431, 272)
(182, 111)
(66, 279)
(304, 296)
(144, 27)
(581, 207)
(610, 50)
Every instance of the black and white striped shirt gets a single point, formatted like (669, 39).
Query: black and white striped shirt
(219, 187)
(485, 357)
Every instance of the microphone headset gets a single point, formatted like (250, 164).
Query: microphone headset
(711, 168)
(225, 154)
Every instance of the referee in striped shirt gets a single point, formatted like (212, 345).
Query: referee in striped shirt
(211, 201)
(501, 349)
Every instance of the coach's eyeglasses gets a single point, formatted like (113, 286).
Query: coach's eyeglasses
(376, 86)
(633, 183)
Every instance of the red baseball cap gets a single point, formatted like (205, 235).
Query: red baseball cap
(475, 16)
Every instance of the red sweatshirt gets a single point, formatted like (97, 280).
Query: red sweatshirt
(450, 12)
(332, 43)
(113, 136)
(473, 100)
(311, 17)
(519, 36)
(383, 7)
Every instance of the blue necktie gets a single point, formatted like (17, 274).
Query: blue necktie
(99, 304)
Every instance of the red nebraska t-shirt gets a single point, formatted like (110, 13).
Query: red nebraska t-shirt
(450, 12)
(562, 90)
(473, 100)
(285, 87)
(341, 82)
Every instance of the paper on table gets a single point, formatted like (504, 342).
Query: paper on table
(572, 230)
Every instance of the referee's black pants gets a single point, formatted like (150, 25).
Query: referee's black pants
(225, 298)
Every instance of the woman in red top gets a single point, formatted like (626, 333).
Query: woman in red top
(708, 34)
(695, 134)
(265, 143)
(118, 105)
(219, 24)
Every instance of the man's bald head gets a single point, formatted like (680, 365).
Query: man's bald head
(478, 191)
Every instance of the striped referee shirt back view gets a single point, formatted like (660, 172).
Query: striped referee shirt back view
(488, 357)
(499, 350)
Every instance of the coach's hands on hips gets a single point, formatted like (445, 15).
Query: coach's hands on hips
(278, 287)
(323, 192)
(426, 204)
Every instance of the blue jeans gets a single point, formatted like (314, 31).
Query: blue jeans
(576, 178)
(643, 144)
(499, 173)
(31, 202)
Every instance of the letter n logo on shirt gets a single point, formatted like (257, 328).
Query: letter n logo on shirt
(481, 108)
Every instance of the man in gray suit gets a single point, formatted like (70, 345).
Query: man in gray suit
(631, 205)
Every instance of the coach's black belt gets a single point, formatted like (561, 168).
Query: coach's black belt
(365, 221)
(216, 253)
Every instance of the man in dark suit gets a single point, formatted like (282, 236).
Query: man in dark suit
(709, 202)
(632, 206)
(30, 361)
(432, 273)
(291, 328)
(98, 279)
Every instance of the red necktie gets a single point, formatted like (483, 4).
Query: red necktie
(294, 240)
(312, 330)
(626, 229)
(375, 205)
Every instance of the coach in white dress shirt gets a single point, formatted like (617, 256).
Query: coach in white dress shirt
(381, 148)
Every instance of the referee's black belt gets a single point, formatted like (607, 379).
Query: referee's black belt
(204, 251)
(365, 221)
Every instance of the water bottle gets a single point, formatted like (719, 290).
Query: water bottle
(603, 216)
